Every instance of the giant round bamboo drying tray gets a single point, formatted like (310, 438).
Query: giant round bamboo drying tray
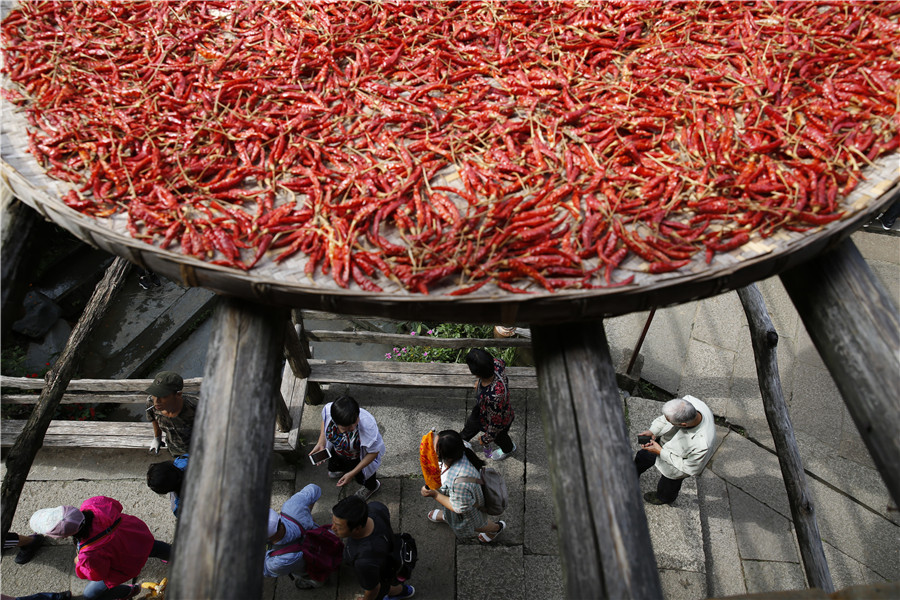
(286, 284)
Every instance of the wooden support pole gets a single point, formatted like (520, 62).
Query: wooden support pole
(855, 326)
(293, 351)
(765, 341)
(604, 537)
(221, 537)
(21, 455)
(297, 350)
(282, 416)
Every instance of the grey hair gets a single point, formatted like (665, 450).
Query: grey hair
(679, 410)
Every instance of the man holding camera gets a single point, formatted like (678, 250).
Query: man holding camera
(678, 443)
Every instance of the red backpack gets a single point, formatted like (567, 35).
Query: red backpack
(322, 550)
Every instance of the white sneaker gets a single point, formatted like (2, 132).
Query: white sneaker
(501, 455)
(335, 474)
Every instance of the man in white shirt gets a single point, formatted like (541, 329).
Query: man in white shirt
(680, 441)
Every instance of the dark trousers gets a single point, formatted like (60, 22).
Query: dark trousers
(667, 489)
(343, 464)
(473, 426)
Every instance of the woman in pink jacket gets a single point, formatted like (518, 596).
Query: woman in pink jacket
(112, 547)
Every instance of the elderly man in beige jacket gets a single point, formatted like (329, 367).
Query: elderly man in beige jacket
(679, 446)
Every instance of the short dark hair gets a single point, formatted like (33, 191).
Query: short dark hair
(480, 362)
(345, 411)
(450, 448)
(352, 509)
(165, 477)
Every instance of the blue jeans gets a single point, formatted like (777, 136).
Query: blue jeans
(97, 590)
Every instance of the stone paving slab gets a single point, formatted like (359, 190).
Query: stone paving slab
(861, 482)
(723, 565)
(434, 576)
(845, 571)
(856, 531)
(763, 576)
(543, 577)
(707, 373)
(51, 570)
(678, 584)
(720, 322)
(762, 533)
(541, 532)
(488, 572)
(748, 467)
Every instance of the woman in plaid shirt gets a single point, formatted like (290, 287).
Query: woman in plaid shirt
(462, 502)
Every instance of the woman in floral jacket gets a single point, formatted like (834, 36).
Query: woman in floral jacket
(493, 413)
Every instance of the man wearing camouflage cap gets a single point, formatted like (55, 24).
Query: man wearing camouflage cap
(171, 411)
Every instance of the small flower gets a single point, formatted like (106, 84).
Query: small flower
(396, 350)
(430, 332)
(93, 414)
(426, 353)
(388, 356)
(412, 333)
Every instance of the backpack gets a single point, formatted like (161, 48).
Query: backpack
(496, 496)
(404, 555)
(322, 550)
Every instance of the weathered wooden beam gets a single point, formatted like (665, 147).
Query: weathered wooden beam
(221, 537)
(293, 351)
(604, 537)
(358, 322)
(396, 339)
(191, 386)
(389, 373)
(78, 399)
(765, 341)
(283, 419)
(21, 455)
(314, 395)
(855, 326)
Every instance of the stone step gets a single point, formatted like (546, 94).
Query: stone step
(141, 327)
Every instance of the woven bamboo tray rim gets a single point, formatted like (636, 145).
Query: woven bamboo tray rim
(287, 285)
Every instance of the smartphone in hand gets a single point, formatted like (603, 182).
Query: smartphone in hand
(644, 439)
(317, 457)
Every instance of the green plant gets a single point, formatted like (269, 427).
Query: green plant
(446, 355)
(12, 361)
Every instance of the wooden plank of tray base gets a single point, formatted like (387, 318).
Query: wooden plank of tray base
(78, 399)
(91, 434)
(410, 374)
(137, 386)
(100, 434)
(293, 390)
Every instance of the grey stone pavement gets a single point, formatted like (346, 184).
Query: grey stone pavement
(729, 532)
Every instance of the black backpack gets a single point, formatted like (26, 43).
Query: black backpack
(404, 555)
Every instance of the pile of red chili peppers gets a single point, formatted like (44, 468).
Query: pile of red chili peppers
(582, 133)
